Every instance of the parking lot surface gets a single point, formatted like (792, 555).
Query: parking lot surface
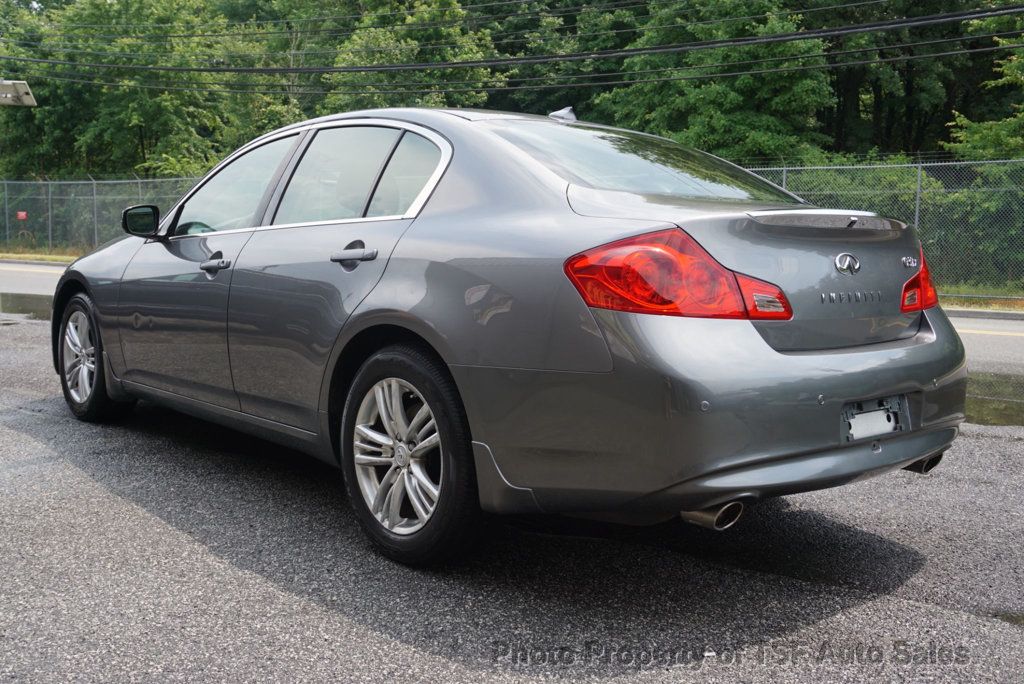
(165, 548)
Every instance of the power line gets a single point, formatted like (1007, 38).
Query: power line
(443, 91)
(520, 34)
(469, 19)
(811, 34)
(633, 72)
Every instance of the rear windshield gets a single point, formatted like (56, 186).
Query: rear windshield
(606, 159)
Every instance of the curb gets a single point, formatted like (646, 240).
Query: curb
(982, 313)
(32, 262)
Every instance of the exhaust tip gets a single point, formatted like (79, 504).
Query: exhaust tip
(925, 465)
(718, 518)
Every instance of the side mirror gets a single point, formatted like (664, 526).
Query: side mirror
(142, 220)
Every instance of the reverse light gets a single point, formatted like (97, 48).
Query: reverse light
(919, 292)
(668, 273)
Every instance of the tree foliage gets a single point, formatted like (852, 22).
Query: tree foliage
(116, 120)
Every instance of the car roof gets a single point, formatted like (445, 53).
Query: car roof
(418, 115)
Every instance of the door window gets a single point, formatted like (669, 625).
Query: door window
(410, 168)
(230, 199)
(336, 175)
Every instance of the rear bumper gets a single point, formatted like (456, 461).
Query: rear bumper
(699, 411)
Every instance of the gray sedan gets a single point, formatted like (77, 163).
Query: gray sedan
(474, 312)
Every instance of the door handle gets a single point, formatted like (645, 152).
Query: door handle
(213, 265)
(349, 256)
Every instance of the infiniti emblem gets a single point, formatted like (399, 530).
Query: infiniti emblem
(847, 263)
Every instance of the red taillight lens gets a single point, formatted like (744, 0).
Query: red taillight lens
(919, 292)
(669, 273)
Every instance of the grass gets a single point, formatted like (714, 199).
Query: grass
(32, 256)
(995, 399)
(978, 299)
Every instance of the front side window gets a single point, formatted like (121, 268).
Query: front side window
(606, 159)
(230, 199)
(336, 175)
(411, 166)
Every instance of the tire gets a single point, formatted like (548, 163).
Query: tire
(85, 389)
(433, 513)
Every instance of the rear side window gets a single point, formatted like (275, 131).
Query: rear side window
(607, 159)
(334, 179)
(407, 173)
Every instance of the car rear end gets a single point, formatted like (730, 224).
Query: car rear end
(760, 346)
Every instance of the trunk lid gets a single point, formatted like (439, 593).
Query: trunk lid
(842, 271)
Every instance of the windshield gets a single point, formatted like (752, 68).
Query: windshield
(606, 159)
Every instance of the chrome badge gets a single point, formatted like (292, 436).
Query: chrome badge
(847, 263)
(909, 261)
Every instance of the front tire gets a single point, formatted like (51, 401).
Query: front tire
(407, 458)
(80, 360)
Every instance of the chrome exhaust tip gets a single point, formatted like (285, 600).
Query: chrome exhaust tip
(716, 518)
(925, 465)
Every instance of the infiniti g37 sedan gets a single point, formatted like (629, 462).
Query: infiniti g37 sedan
(473, 312)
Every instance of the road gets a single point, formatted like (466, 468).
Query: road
(165, 548)
(21, 278)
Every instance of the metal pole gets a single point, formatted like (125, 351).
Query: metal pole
(49, 215)
(917, 198)
(7, 219)
(784, 178)
(95, 216)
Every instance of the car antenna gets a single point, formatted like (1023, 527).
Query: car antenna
(564, 114)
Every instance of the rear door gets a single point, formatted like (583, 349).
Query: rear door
(174, 293)
(350, 196)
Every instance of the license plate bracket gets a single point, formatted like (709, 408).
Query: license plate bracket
(874, 417)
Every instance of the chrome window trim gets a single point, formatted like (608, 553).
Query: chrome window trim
(412, 212)
(253, 229)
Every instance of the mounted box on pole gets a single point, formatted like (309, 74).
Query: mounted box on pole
(16, 94)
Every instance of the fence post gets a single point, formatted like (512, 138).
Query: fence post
(95, 216)
(7, 219)
(917, 198)
(784, 178)
(49, 216)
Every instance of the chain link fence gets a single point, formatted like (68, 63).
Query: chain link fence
(74, 216)
(969, 215)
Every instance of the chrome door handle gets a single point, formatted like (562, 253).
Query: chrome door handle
(348, 256)
(214, 265)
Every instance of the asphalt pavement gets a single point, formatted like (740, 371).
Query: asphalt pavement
(162, 548)
(28, 278)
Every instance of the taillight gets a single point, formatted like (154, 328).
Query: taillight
(668, 273)
(919, 292)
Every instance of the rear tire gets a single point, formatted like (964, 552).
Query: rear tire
(81, 364)
(407, 458)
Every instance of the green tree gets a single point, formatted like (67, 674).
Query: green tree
(763, 115)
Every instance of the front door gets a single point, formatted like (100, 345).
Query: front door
(299, 278)
(174, 294)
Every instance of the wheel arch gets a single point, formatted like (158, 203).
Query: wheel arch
(357, 344)
(71, 285)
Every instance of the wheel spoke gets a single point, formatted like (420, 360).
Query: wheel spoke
(383, 408)
(383, 491)
(73, 377)
(397, 409)
(425, 446)
(418, 421)
(426, 430)
(71, 336)
(84, 333)
(393, 504)
(366, 432)
(419, 504)
(372, 460)
(85, 378)
(423, 481)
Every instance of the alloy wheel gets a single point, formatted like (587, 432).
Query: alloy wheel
(79, 357)
(398, 456)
